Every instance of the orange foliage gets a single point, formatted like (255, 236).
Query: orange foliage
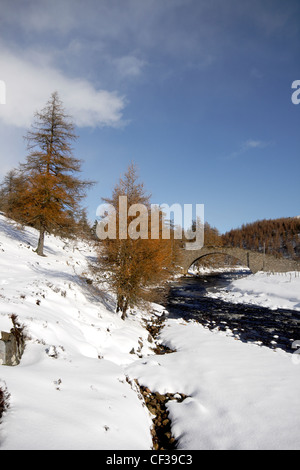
(135, 265)
(279, 237)
(47, 193)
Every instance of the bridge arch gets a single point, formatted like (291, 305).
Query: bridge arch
(228, 261)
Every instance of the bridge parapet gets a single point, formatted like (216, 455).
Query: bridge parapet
(254, 260)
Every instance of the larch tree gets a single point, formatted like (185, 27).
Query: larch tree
(133, 261)
(54, 191)
(278, 237)
(11, 190)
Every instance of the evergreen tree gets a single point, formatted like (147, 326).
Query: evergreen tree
(51, 200)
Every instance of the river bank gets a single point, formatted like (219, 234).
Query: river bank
(207, 299)
(266, 289)
(239, 395)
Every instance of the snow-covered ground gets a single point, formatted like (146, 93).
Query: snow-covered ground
(74, 387)
(241, 396)
(200, 270)
(70, 389)
(272, 290)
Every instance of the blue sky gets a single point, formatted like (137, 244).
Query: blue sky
(196, 92)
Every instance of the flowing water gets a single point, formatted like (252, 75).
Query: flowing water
(250, 323)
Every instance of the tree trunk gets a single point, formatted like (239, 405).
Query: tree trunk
(122, 306)
(124, 315)
(124, 309)
(40, 247)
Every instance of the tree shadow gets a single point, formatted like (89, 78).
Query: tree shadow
(16, 232)
(91, 291)
(23, 235)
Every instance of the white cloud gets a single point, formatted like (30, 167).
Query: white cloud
(129, 66)
(41, 15)
(154, 28)
(247, 146)
(29, 85)
(254, 144)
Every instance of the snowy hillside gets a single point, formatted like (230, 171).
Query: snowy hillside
(74, 387)
(70, 389)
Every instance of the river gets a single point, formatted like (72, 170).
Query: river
(250, 323)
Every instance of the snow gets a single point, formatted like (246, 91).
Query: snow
(74, 387)
(200, 270)
(70, 390)
(241, 396)
(272, 290)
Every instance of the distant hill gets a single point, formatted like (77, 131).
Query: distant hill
(279, 237)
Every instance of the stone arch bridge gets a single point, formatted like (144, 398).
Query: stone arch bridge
(254, 260)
